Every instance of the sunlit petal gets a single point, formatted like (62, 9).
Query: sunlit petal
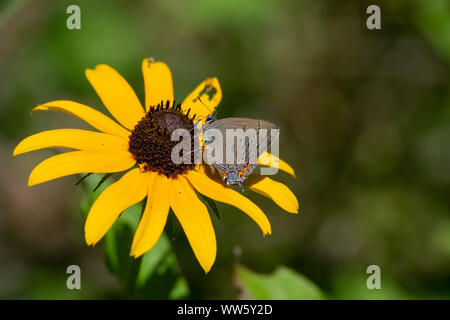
(155, 215)
(72, 139)
(219, 192)
(274, 190)
(157, 81)
(79, 162)
(195, 220)
(128, 190)
(269, 160)
(95, 118)
(210, 95)
(116, 94)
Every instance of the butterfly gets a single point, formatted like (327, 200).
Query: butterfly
(252, 139)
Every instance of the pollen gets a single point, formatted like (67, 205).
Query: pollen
(150, 141)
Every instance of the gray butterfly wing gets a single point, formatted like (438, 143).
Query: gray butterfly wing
(247, 148)
(264, 137)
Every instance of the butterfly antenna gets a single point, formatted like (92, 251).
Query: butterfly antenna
(213, 111)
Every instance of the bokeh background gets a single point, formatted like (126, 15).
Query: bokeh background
(364, 116)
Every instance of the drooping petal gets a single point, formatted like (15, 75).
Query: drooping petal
(155, 215)
(274, 190)
(157, 81)
(195, 220)
(269, 160)
(78, 162)
(210, 95)
(72, 139)
(116, 94)
(95, 118)
(128, 190)
(214, 190)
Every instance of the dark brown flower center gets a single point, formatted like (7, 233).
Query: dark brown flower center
(151, 143)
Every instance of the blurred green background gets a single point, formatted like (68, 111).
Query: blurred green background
(364, 116)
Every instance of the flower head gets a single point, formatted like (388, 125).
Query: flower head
(140, 142)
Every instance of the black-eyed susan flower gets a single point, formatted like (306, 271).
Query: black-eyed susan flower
(140, 142)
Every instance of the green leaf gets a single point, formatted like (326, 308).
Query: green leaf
(352, 284)
(433, 19)
(82, 178)
(89, 182)
(156, 274)
(102, 180)
(282, 284)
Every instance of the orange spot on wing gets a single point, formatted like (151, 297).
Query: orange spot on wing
(224, 173)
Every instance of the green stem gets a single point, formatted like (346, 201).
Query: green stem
(134, 269)
(133, 276)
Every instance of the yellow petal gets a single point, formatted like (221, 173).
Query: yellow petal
(73, 139)
(269, 160)
(195, 220)
(154, 217)
(210, 95)
(128, 190)
(96, 119)
(217, 191)
(274, 190)
(78, 162)
(116, 94)
(157, 81)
